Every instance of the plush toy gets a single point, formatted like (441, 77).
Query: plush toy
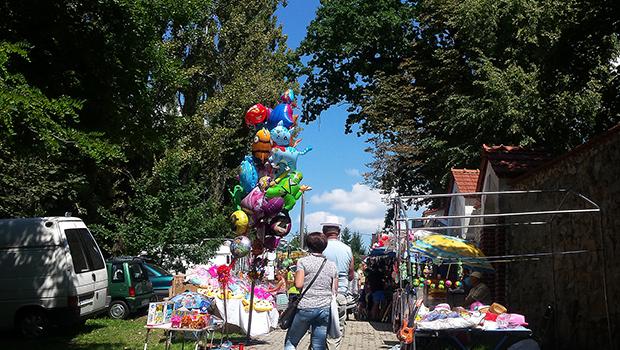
(280, 225)
(249, 175)
(282, 113)
(286, 160)
(240, 222)
(288, 188)
(281, 136)
(261, 148)
(256, 114)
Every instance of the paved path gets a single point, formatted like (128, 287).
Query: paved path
(360, 335)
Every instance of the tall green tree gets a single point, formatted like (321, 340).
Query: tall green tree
(345, 236)
(433, 80)
(150, 97)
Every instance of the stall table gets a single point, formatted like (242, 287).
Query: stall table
(206, 334)
(502, 335)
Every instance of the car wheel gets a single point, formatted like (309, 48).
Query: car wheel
(118, 309)
(33, 323)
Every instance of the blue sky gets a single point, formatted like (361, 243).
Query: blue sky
(334, 167)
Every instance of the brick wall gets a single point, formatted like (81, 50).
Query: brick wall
(571, 284)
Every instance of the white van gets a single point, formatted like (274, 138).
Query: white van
(51, 272)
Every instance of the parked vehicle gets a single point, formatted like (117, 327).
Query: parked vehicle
(51, 273)
(129, 286)
(160, 278)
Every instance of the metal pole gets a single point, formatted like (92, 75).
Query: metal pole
(523, 213)
(247, 339)
(604, 255)
(302, 229)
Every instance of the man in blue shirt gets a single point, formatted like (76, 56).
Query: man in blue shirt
(342, 256)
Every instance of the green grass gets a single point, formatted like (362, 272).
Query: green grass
(101, 334)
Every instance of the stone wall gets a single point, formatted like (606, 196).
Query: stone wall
(572, 283)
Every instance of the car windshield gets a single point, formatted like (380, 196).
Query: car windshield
(159, 269)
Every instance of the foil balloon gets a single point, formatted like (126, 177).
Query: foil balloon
(286, 160)
(237, 196)
(253, 203)
(261, 147)
(240, 247)
(264, 183)
(271, 243)
(280, 136)
(282, 113)
(288, 96)
(280, 225)
(289, 188)
(240, 222)
(272, 206)
(257, 247)
(256, 114)
(249, 175)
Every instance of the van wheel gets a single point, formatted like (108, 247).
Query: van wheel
(33, 323)
(118, 309)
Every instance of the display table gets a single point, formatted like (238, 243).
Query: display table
(206, 334)
(500, 336)
(262, 322)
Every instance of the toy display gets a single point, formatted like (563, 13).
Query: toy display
(159, 313)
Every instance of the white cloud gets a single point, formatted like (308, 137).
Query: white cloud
(366, 225)
(361, 200)
(314, 220)
(353, 172)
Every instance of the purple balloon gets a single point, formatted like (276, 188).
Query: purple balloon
(273, 206)
(271, 243)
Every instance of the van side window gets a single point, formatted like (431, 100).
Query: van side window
(118, 275)
(84, 251)
(77, 252)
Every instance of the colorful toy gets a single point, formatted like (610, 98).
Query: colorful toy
(261, 148)
(240, 222)
(249, 175)
(288, 96)
(237, 195)
(252, 204)
(271, 243)
(281, 136)
(286, 160)
(282, 113)
(448, 283)
(240, 247)
(280, 225)
(288, 188)
(256, 114)
(264, 183)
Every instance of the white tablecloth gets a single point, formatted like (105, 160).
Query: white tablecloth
(262, 322)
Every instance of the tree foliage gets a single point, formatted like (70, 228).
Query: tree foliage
(130, 113)
(433, 80)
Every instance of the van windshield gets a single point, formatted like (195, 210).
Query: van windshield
(84, 252)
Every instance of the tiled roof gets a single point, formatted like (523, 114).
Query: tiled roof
(512, 161)
(465, 179)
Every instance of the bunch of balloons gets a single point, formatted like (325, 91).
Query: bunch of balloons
(269, 181)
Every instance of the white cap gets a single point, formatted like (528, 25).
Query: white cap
(332, 221)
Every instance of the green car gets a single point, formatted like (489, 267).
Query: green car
(128, 285)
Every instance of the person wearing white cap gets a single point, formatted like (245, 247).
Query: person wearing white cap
(479, 291)
(342, 256)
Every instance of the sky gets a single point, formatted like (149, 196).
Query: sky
(335, 166)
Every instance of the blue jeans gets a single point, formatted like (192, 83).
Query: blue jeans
(318, 319)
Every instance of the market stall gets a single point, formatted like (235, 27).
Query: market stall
(436, 263)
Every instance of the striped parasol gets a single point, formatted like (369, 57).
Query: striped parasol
(452, 249)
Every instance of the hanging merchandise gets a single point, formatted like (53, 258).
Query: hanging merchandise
(249, 175)
(240, 222)
(281, 136)
(261, 147)
(240, 247)
(257, 114)
(281, 114)
(289, 188)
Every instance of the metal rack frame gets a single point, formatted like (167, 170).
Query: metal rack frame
(400, 217)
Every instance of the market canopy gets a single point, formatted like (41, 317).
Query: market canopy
(451, 250)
